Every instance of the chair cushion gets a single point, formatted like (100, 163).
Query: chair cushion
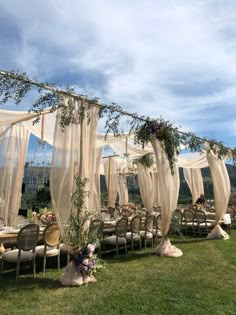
(111, 240)
(156, 232)
(50, 251)
(12, 255)
(63, 247)
(148, 235)
(135, 236)
(108, 231)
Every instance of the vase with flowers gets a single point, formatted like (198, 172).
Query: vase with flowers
(80, 245)
(47, 217)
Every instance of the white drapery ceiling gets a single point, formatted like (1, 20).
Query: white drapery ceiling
(118, 144)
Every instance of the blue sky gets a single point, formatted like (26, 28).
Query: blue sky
(174, 59)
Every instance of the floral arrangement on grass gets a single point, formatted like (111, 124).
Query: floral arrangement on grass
(84, 258)
(80, 245)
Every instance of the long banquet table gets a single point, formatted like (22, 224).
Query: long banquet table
(10, 235)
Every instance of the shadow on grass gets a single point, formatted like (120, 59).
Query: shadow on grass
(27, 282)
(122, 258)
(110, 256)
(188, 240)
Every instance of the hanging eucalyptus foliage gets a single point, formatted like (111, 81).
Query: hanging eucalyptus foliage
(15, 86)
(146, 160)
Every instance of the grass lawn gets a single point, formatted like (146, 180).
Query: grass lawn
(202, 281)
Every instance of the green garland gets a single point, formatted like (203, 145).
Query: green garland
(77, 232)
(14, 86)
(147, 160)
(164, 132)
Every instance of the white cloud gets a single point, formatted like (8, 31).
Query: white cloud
(170, 58)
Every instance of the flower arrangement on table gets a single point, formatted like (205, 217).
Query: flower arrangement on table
(80, 245)
(47, 217)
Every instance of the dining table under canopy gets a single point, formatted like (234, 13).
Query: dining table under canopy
(78, 150)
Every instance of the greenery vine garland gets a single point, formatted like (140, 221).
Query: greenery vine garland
(147, 160)
(77, 232)
(15, 86)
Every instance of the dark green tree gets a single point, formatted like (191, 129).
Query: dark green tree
(43, 195)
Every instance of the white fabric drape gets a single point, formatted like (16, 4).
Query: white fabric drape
(194, 180)
(155, 187)
(123, 190)
(97, 189)
(13, 147)
(74, 153)
(169, 190)
(110, 170)
(145, 186)
(221, 189)
(192, 160)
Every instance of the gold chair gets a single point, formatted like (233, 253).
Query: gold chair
(157, 228)
(188, 220)
(2, 222)
(147, 234)
(176, 223)
(202, 224)
(120, 235)
(134, 234)
(51, 247)
(26, 242)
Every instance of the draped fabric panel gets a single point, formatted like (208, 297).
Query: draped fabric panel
(221, 189)
(110, 170)
(156, 191)
(192, 160)
(97, 189)
(74, 153)
(169, 190)
(123, 190)
(14, 141)
(194, 180)
(145, 186)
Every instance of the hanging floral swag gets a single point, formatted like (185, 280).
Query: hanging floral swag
(81, 246)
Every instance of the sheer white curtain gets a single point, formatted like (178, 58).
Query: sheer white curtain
(14, 141)
(193, 177)
(169, 191)
(156, 192)
(110, 170)
(123, 190)
(145, 186)
(221, 188)
(74, 153)
(97, 189)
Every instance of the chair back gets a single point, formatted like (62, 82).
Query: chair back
(27, 237)
(200, 216)
(231, 211)
(2, 222)
(149, 223)
(51, 235)
(121, 227)
(188, 215)
(177, 217)
(96, 228)
(111, 211)
(105, 215)
(135, 224)
(158, 222)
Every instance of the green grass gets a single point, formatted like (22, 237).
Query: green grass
(202, 281)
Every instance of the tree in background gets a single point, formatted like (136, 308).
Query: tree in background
(43, 195)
